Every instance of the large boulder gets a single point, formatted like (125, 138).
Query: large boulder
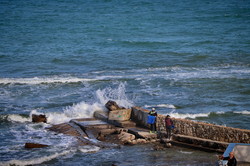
(112, 105)
(139, 141)
(121, 115)
(34, 145)
(126, 138)
(39, 118)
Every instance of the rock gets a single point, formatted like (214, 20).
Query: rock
(141, 141)
(101, 137)
(168, 145)
(112, 105)
(126, 137)
(34, 145)
(138, 141)
(158, 147)
(109, 131)
(39, 118)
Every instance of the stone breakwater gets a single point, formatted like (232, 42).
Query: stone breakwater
(196, 134)
(129, 126)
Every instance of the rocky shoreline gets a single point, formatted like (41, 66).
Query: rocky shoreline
(120, 126)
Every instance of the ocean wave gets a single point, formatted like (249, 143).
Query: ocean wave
(89, 149)
(245, 112)
(206, 115)
(170, 72)
(116, 94)
(171, 106)
(18, 118)
(43, 80)
(144, 43)
(179, 73)
(39, 160)
(190, 116)
(79, 110)
(185, 152)
(86, 110)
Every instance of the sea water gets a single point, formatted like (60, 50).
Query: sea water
(66, 59)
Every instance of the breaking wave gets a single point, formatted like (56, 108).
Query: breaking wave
(206, 115)
(171, 106)
(18, 118)
(174, 72)
(116, 94)
(89, 149)
(242, 112)
(79, 110)
(43, 80)
(83, 109)
(36, 160)
(191, 116)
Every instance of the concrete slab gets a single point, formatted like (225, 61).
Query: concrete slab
(123, 124)
(101, 115)
(142, 133)
(201, 143)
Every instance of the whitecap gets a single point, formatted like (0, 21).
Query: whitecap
(86, 110)
(39, 160)
(89, 149)
(18, 118)
(171, 106)
(43, 80)
(185, 152)
(245, 112)
(79, 110)
(192, 116)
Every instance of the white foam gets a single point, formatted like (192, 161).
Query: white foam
(245, 112)
(85, 110)
(184, 152)
(79, 110)
(171, 106)
(116, 94)
(192, 116)
(89, 149)
(43, 80)
(39, 160)
(18, 118)
(175, 72)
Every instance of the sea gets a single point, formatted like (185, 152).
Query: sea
(66, 58)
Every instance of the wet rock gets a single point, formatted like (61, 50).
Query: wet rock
(109, 131)
(158, 147)
(168, 145)
(112, 105)
(126, 138)
(101, 137)
(34, 145)
(140, 141)
(39, 118)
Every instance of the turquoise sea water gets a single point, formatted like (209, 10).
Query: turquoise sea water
(66, 59)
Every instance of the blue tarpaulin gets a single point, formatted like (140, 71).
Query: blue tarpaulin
(151, 119)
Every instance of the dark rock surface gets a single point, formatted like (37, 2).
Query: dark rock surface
(112, 106)
(34, 145)
(39, 118)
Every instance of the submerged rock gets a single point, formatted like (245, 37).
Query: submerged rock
(39, 118)
(34, 145)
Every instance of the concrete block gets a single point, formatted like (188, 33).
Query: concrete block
(123, 114)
